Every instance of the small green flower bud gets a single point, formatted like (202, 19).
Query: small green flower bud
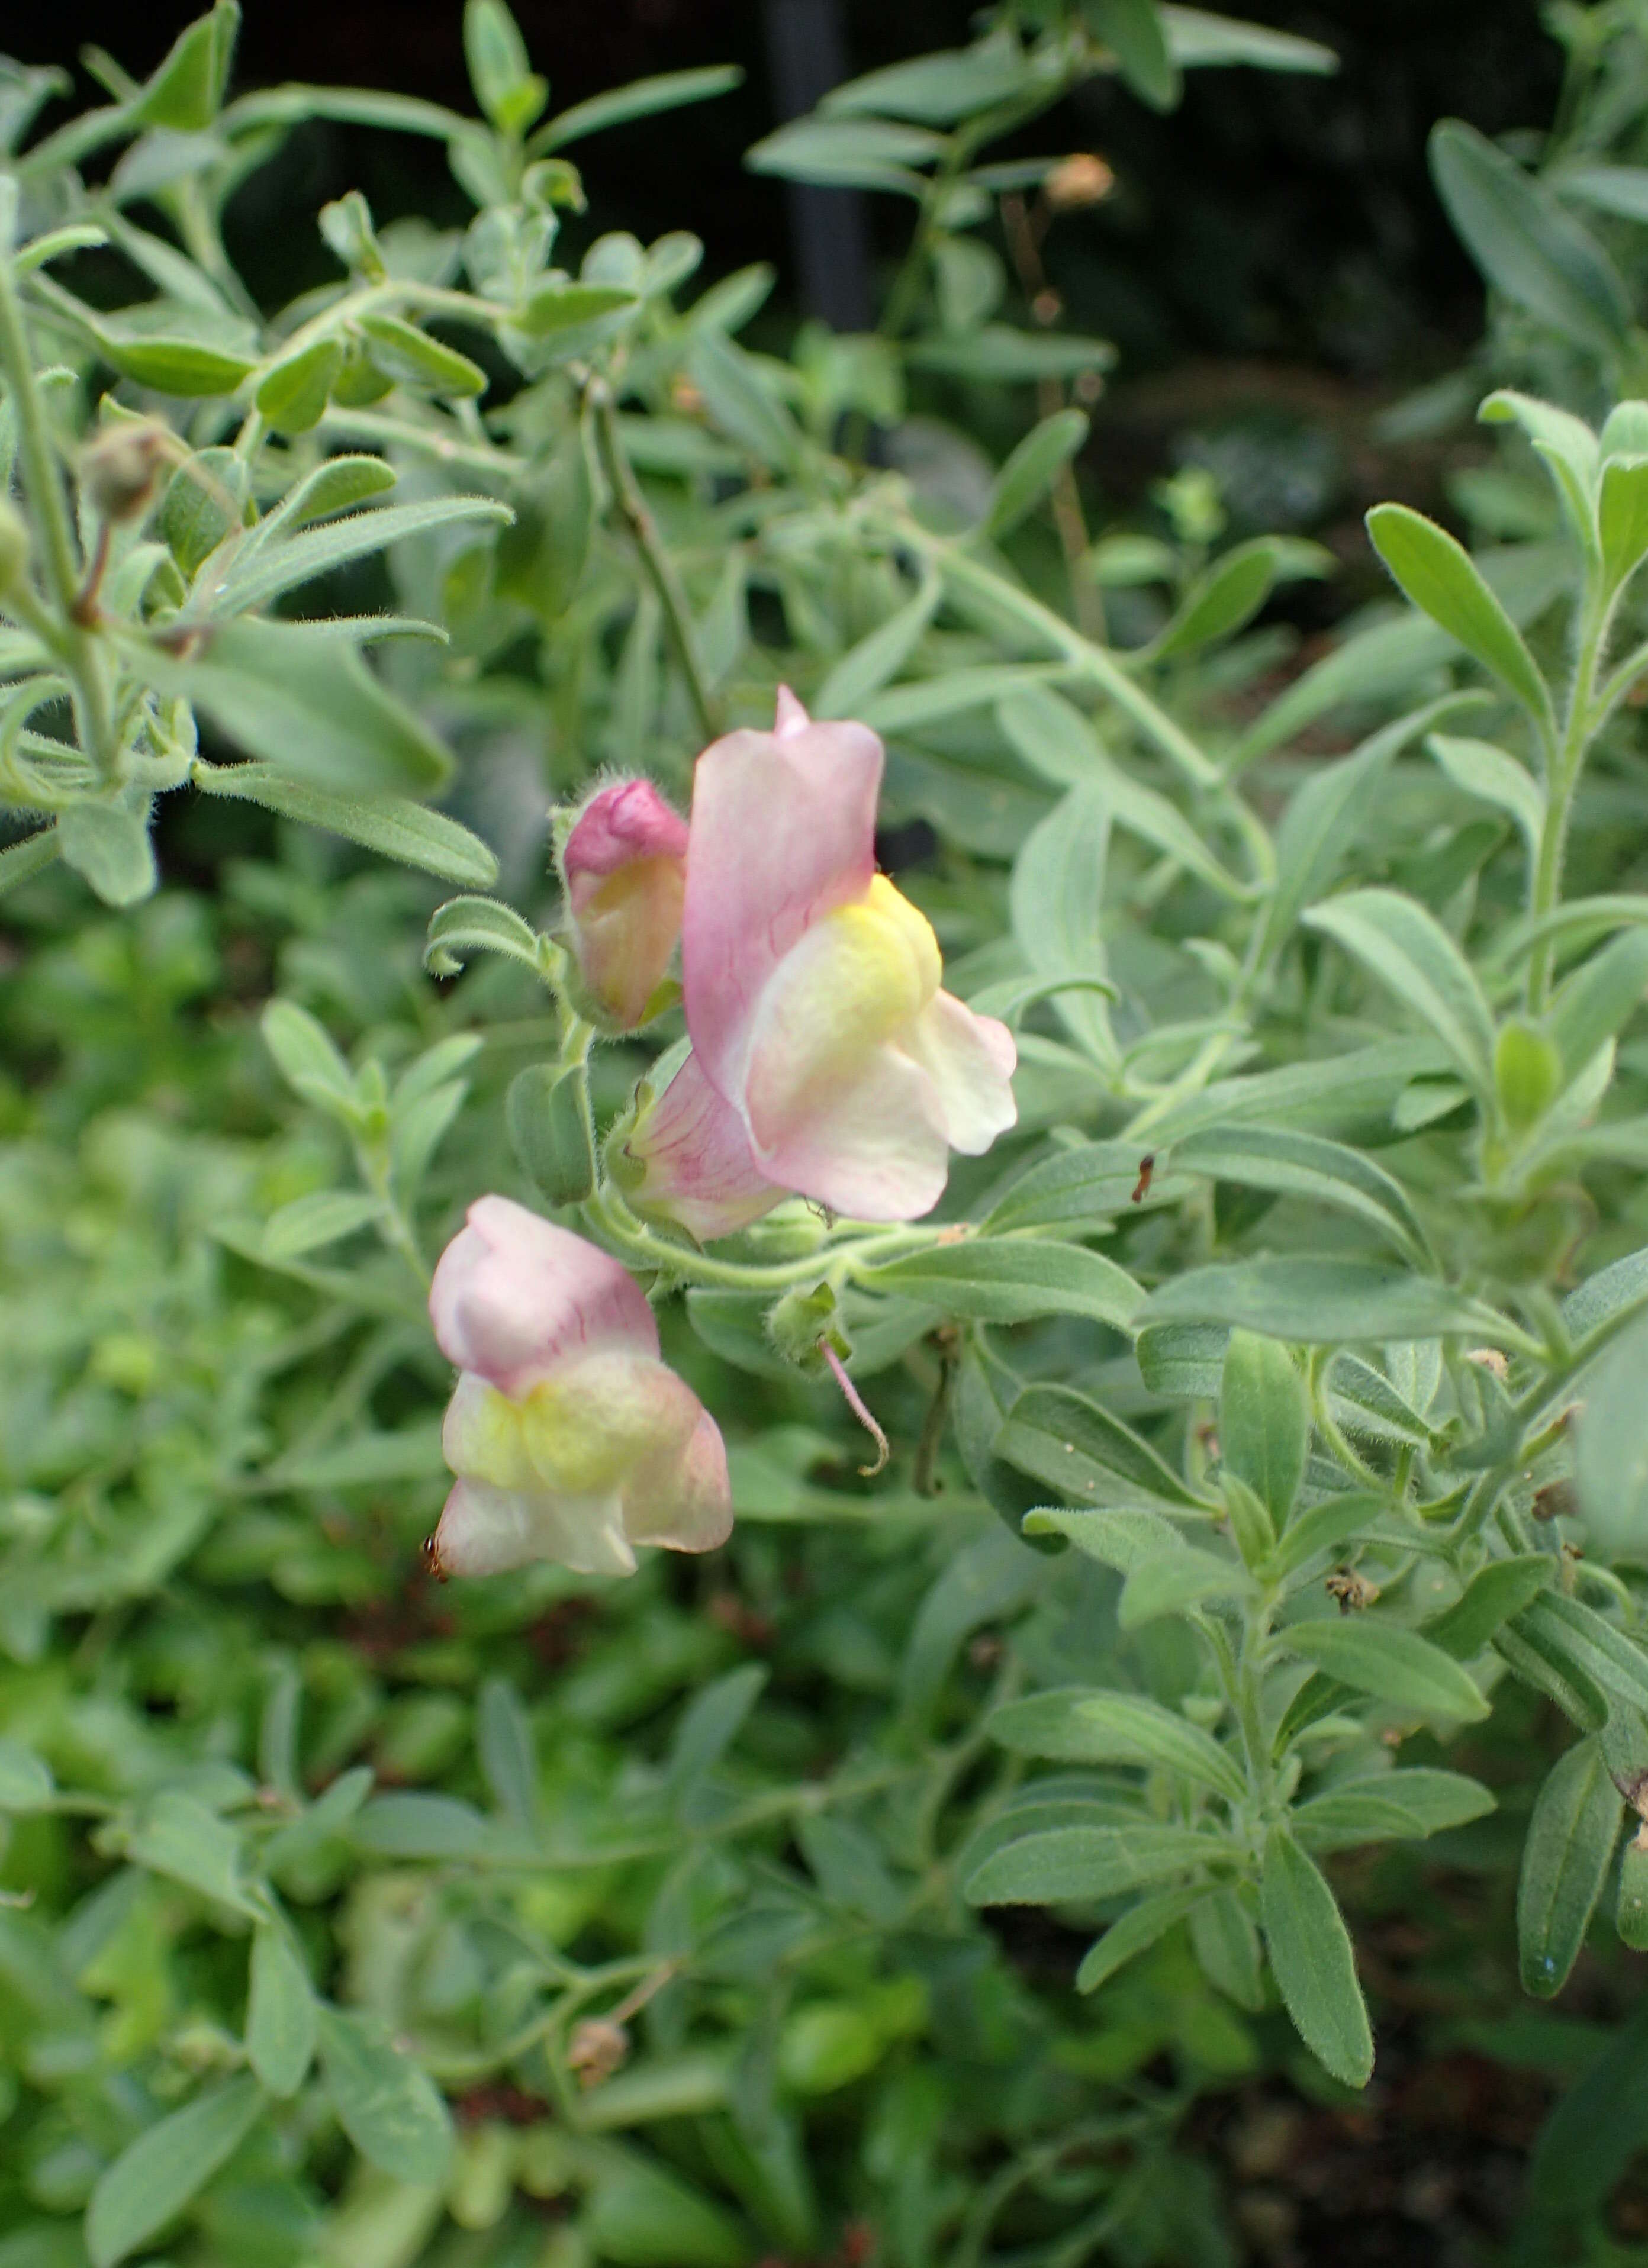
(1528, 1074)
(802, 1323)
(119, 471)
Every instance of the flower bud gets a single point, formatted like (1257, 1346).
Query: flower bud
(1081, 180)
(120, 469)
(623, 868)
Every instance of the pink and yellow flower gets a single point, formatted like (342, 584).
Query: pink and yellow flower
(812, 986)
(571, 1440)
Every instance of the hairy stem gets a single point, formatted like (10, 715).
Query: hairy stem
(658, 566)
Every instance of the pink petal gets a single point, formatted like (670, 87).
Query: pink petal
(789, 717)
(783, 830)
(514, 1295)
(871, 1149)
(970, 1061)
(686, 1501)
(697, 1166)
(625, 820)
(487, 1531)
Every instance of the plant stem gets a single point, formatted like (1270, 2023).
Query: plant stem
(660, 567)
(1562, 779)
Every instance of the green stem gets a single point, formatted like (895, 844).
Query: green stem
(43, 483)
(1567, 760)
(660, 567)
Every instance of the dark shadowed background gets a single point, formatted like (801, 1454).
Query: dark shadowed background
(1292, 219)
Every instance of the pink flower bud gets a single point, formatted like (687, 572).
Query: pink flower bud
(624, 867)
(812, 986)
(570, 1440)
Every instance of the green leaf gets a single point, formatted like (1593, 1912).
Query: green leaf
(1623, 517)
(1307, 1165)
(1134, 1933)
(262, 572)
(996, 354)
(1169, 1581)
(1402, 944)
(1395, 1664)
(507, 1750)
(1315, 1301)
(177, 1835)
(186, 92)
(1568, 449)
(1086, 1864)
(643, 98)
(391, 825)
(293, 393)
(108, 844)
(1315, 1969)
(467, 926)
(331, 486)
(1221, 602)
(389, 2108)
(1199, 38)
(412, 358)
(1184, 1362)
(1264, 1421)
(1443, 581)
(547, 1113)
(1057, 901)
(1524, 244)
(1057, 740)
(1631, 1909)
(155, 2178)
(1386, 1807)
(1032, 469)
(1136, 35)
(740, 404)
(854, 153)
(281, 2017)
(1540, 1660)
(506, 87)
(21, 861)
(1599, 999)
(1081, 1184)
(955, 83)
(554, 306)
(1565, 1858)
(1490, 776)
(1325, 1526)
(1224, 1938)
(323, 1218)
(1602, 1652)
(1611, 1465)
(1596, 2125)
(1009, 1280)
(1503, 1587)
(307, 705)
(877, 659)
(1528, 1074)
(305, 1057)
(25, 1780)
(183, 366)
(414, 1824)
(1078, 1725)
(1122, 1537)
(1327, 814)
(1080, 1450)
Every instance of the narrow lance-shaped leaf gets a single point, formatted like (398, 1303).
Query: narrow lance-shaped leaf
(1310, 1952)
(156, 2177)
(1443, 581)
(1565, 1858)
(1408, 950)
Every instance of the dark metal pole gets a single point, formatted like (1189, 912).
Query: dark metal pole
(806, 57)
